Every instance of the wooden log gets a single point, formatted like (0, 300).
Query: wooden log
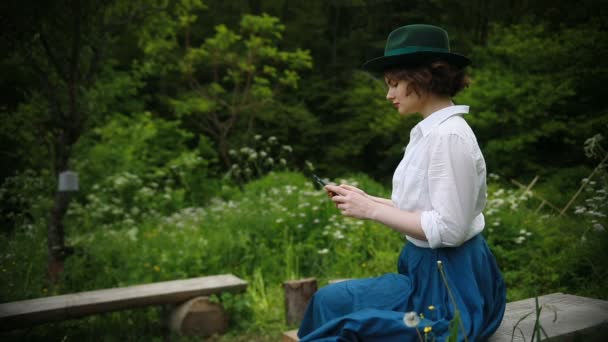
(34, 311)
(199, 317)
(297, 295)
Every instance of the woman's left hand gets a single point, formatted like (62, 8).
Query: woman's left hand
(352, 203)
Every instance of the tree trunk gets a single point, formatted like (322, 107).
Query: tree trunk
(55, 238)
(222, 145)
(55, 233)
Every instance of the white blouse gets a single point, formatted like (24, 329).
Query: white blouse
(443, 175)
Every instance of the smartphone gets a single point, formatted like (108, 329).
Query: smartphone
(319, 181)
(322, 183)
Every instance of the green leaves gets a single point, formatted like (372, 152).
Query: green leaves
(528, 96)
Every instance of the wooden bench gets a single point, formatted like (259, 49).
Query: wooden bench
(578, 319)
(30, 312)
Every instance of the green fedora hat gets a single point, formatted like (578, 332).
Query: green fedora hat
(416, 44)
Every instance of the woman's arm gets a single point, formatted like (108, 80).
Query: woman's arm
(380, 200)
(358, 204)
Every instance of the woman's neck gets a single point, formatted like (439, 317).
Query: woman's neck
(433, 103)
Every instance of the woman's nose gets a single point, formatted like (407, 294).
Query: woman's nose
(389, 95)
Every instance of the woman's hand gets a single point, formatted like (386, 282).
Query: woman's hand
(353, 189)
(352, 201)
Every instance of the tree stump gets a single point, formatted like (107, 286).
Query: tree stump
(199, 317)
(297, 296)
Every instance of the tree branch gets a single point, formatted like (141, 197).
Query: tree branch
(52, 58)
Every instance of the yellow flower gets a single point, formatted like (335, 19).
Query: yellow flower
(431, 307)
(427, 330)
(156, 268)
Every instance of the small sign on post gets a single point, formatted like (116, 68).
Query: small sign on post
(68, 181)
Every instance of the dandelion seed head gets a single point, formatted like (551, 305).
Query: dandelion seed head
(410, 319)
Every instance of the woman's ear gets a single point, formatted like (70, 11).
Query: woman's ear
(408, 89)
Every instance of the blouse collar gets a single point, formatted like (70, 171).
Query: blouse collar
(440, 116)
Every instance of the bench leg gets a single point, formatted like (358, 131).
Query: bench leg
(199, 317)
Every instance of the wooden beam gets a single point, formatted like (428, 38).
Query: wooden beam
(564, 317)
(34, 311)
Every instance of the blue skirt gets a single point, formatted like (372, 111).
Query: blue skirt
(373, 309)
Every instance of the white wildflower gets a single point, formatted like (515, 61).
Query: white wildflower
(323, 251)
(411, 319)
(132, 234)
(579, 210)
(338, 235)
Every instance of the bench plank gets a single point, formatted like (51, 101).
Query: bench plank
(576, 315)
(34, 311)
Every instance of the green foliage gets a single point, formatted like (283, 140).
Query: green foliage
(530, 95)
(140, 144)
(24, 201)
(162, 90)
(264, 155)
(280, 227)
(365, 127)
(141, 167)
(230, 80)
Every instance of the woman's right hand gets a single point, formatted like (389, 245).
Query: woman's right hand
(354, 189)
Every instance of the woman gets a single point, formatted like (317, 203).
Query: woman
(439, 192)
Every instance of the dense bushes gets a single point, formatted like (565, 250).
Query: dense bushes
(280, 227)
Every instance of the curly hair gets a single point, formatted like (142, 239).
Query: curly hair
(437, 77)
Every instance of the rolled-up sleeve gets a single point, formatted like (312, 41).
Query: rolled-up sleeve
(453, 183)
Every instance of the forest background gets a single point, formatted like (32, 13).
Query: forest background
(194, 127)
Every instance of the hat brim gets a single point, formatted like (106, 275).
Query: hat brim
(415, 58)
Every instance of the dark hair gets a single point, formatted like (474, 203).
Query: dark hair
(437, 77)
